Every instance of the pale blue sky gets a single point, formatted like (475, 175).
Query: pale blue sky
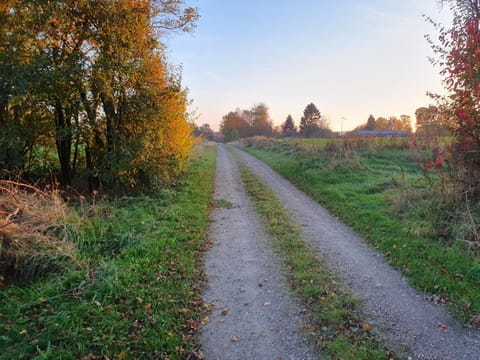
(351, 58)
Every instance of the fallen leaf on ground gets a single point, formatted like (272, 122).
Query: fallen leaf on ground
(442, 326)
(367, 327)
(196, 355)
(208, 307)
(91, 356)
(192, 324)
(224, 312)
(234, 339)
(475, 321)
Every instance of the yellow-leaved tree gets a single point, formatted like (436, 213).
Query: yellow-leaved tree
(92, 77)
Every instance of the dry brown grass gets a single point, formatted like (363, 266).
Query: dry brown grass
(33, 228)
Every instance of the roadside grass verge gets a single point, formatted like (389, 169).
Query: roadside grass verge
(138, 295)
(365, 196)
(336, 327)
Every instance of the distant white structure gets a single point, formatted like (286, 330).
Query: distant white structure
(381, 133)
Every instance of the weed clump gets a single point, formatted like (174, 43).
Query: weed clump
(34, 232)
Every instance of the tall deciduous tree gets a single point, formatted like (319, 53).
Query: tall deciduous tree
(382, 123)
(432, 121)
(404, 124)
(96, 71)
(234, 126)
(206, 131)
(259, 120)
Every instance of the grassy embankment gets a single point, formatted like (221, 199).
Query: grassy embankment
(386, 198)
(335, 326)
(135, 292)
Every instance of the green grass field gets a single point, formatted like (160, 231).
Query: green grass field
(387, 199)
(138, 293)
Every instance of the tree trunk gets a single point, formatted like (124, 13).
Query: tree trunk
(63, 139)
(109, 109)
(95, 143)
(92, 180)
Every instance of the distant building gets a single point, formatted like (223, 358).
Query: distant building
(381, 133)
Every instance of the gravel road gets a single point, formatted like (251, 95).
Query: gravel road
(253, 317)
(415, 327)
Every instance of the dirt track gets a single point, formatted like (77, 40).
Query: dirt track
(405, 318)
(254, 316)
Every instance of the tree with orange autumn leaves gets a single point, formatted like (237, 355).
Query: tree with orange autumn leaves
(90, 78)
(244, 123)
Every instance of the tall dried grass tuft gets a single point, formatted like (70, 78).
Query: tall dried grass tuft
(343, 155)
(34, 229)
